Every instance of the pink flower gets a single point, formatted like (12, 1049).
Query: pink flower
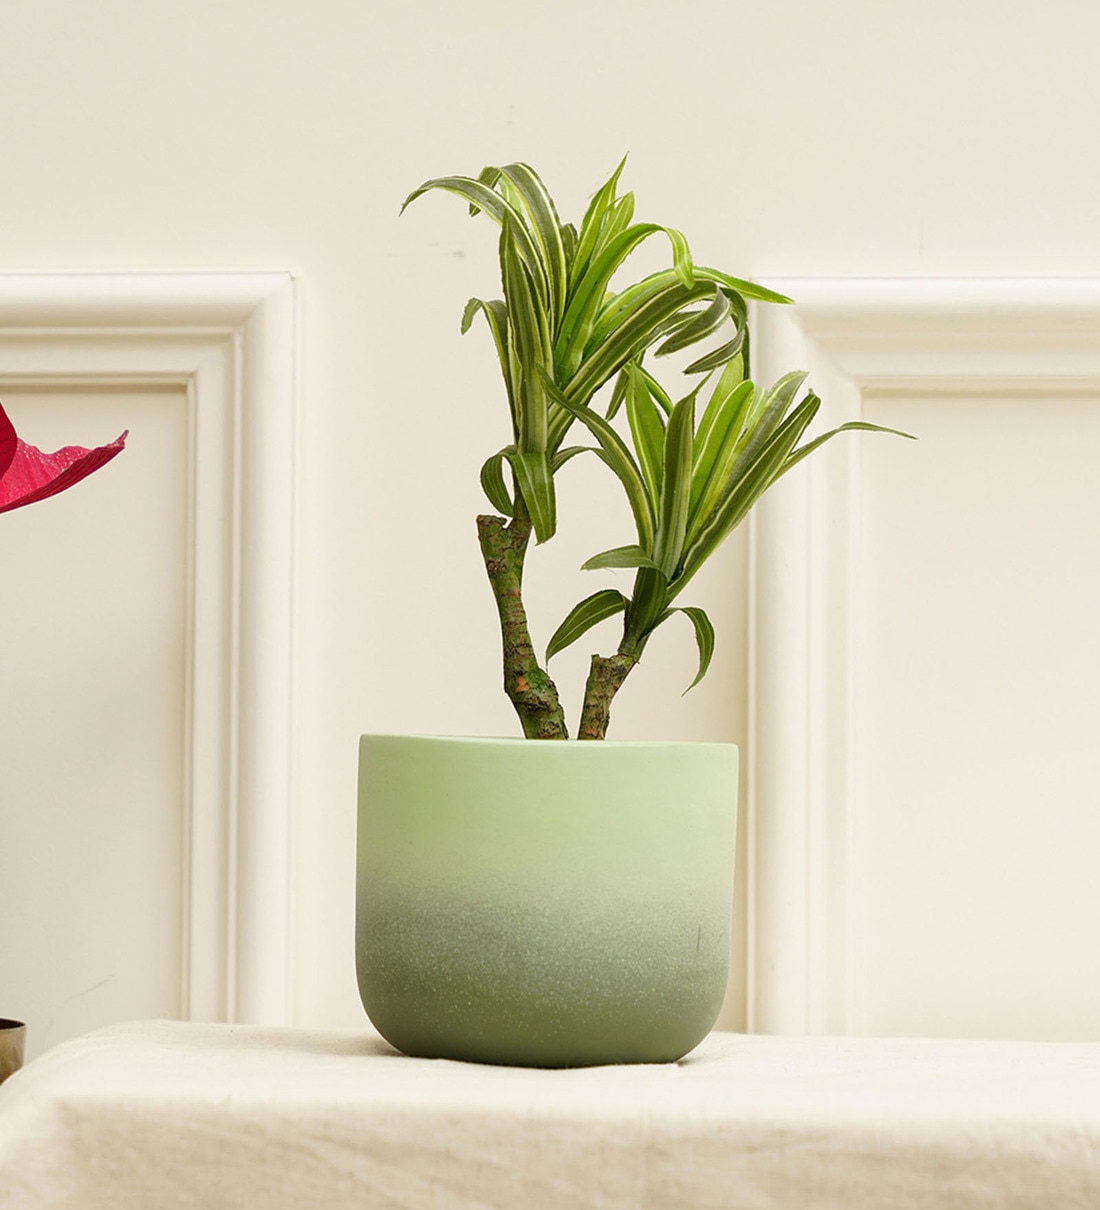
(28, 475)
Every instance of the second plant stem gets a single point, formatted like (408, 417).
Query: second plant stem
(533, 694)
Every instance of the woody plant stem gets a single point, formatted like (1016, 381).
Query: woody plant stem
(532, 693)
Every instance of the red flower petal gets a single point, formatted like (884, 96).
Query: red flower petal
(8, 441)
(27, 475)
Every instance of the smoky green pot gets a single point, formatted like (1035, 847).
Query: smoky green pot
(544, 903)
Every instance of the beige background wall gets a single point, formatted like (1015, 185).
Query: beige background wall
(843, 138)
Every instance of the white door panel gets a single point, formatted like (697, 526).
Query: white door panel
(924, 810)
(979, 714)
(92, 719)
(145, 719)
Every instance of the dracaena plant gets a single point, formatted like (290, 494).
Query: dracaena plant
(561, 334)
(689, 486)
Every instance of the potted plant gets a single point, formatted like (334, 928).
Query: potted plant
(564, 903)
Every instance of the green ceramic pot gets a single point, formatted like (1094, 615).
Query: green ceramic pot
(544, 903)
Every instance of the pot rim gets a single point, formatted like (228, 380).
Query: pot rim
(588, 745)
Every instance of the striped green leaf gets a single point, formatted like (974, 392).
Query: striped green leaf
(535, 484)
(720, 415)
(656, 392)
(591, 225)
(614, 452)
(851, 427)
(635, 295)
(589, 293)
(479, 195)
(492, 482)
(698, 326)
(715, 450)
(618, 393)
(634, 328)
(528, 344)
(618, 218)
(617, 558)
(543, 215)
(675, 487)
(647, 609)
(560, 457)
(496, 316)
(720, 356)
(594, 609)
(628, 475)
(488, 177)
(746, 289)
(482, 198)
(704, 637)
(647, 427)
(569, 243)
(756, 469)
(766, 413)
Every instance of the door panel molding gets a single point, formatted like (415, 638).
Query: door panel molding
(228, 339)
(855, 337)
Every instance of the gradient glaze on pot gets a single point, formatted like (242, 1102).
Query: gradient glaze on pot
(553, 903)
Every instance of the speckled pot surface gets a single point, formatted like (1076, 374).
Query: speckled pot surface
(544, 903)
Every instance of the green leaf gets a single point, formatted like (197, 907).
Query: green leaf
(535, 484)
(581, 618)
(482, 198)
(636, 323)
(758, 466)
(617, 558)
(569, 243)
(647, 427)
(561, 457)
(496, 316)
(715, 449)
(488, 177)
(724, 415)
(656, 392)
(614, 452)
(676, 487)
(647, 609)
(766, 412)
(851, 427)
(618, 392)
(704, 636)
(618, 218)
(479, 195)
(718, 357)
(539, 205)
(492, 482)
(588, 294)
(746, 289)
(602, 201)
(698, 326)
(471, 309)
(528, 344)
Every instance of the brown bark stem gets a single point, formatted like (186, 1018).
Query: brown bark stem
(605, 679)
(532, 693)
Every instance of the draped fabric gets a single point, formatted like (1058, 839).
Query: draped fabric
(171, 1115)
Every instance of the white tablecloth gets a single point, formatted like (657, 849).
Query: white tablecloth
(161, 1115)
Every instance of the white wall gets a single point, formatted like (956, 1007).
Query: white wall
(786, 139)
